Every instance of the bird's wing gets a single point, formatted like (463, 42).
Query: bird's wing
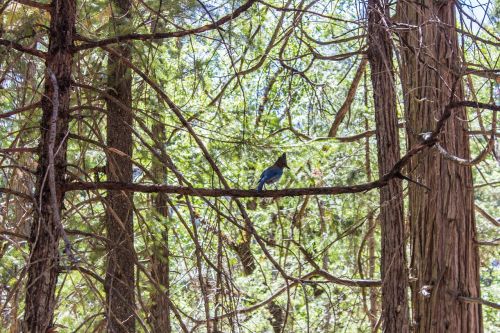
(262, 176)
(273, 174)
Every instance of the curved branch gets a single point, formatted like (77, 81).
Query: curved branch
(23, 49)
(482, 155)
(163, 35)
(479, 300)
(20, 110)
(461, 161)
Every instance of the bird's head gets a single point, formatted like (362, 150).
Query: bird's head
(281, 162)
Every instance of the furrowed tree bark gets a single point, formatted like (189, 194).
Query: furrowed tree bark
(45, 230)
(444, 257)
(119, 281)
(160, 259)
(393, 266)
(373, 312)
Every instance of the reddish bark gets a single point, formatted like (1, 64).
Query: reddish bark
(444, 257)
(119, 281)
(160, 259)
(393, 265)
(45, 231)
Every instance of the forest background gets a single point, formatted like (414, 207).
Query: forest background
(133, 134)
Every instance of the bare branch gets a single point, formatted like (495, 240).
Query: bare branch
(477, 38)
(479, 300)
(304, 279)
(348, 101)
(34, 4)
(23, 49)
(163, 35)
(16, 193)
(481, 156)
(487, 216)
(235, 193)
(18, 150)
(21, 109)
(429, 140)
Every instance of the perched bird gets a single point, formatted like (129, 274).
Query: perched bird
(273, 173)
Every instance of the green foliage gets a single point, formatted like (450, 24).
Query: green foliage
(248, 102)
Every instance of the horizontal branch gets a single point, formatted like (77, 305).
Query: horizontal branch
(18, 150)
(395, 172)
(477, 38)
(218, 192)
(20, 110)
(474, 104)
(34, 4)
(370, 133)
(21, 48)
(238, 193)
(491, 74)
(480, 301)
(163, 35)
(494, 242)
(16, 193)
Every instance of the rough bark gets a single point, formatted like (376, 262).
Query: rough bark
(393, 266)
(444, 257)
(119, 281)
(45, 231)
(373, 310)
(160, 260)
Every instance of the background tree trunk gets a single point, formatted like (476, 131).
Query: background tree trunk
(444, 257)
(119, 282)
(393, 266)
(45, 231)
(160, 260)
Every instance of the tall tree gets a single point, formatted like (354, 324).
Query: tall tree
(46, 229)
(160, 258)
(119, 282)
(393, 265)
(444, 256)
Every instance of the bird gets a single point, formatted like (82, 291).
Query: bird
(273, 173)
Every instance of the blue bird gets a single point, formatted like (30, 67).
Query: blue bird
(273, 173)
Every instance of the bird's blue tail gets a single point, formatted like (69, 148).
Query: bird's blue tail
(261, 184)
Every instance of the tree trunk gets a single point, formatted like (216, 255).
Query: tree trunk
(119, 281)
(45, 231)
(393, 266)
(160, 260)
(444, 259)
